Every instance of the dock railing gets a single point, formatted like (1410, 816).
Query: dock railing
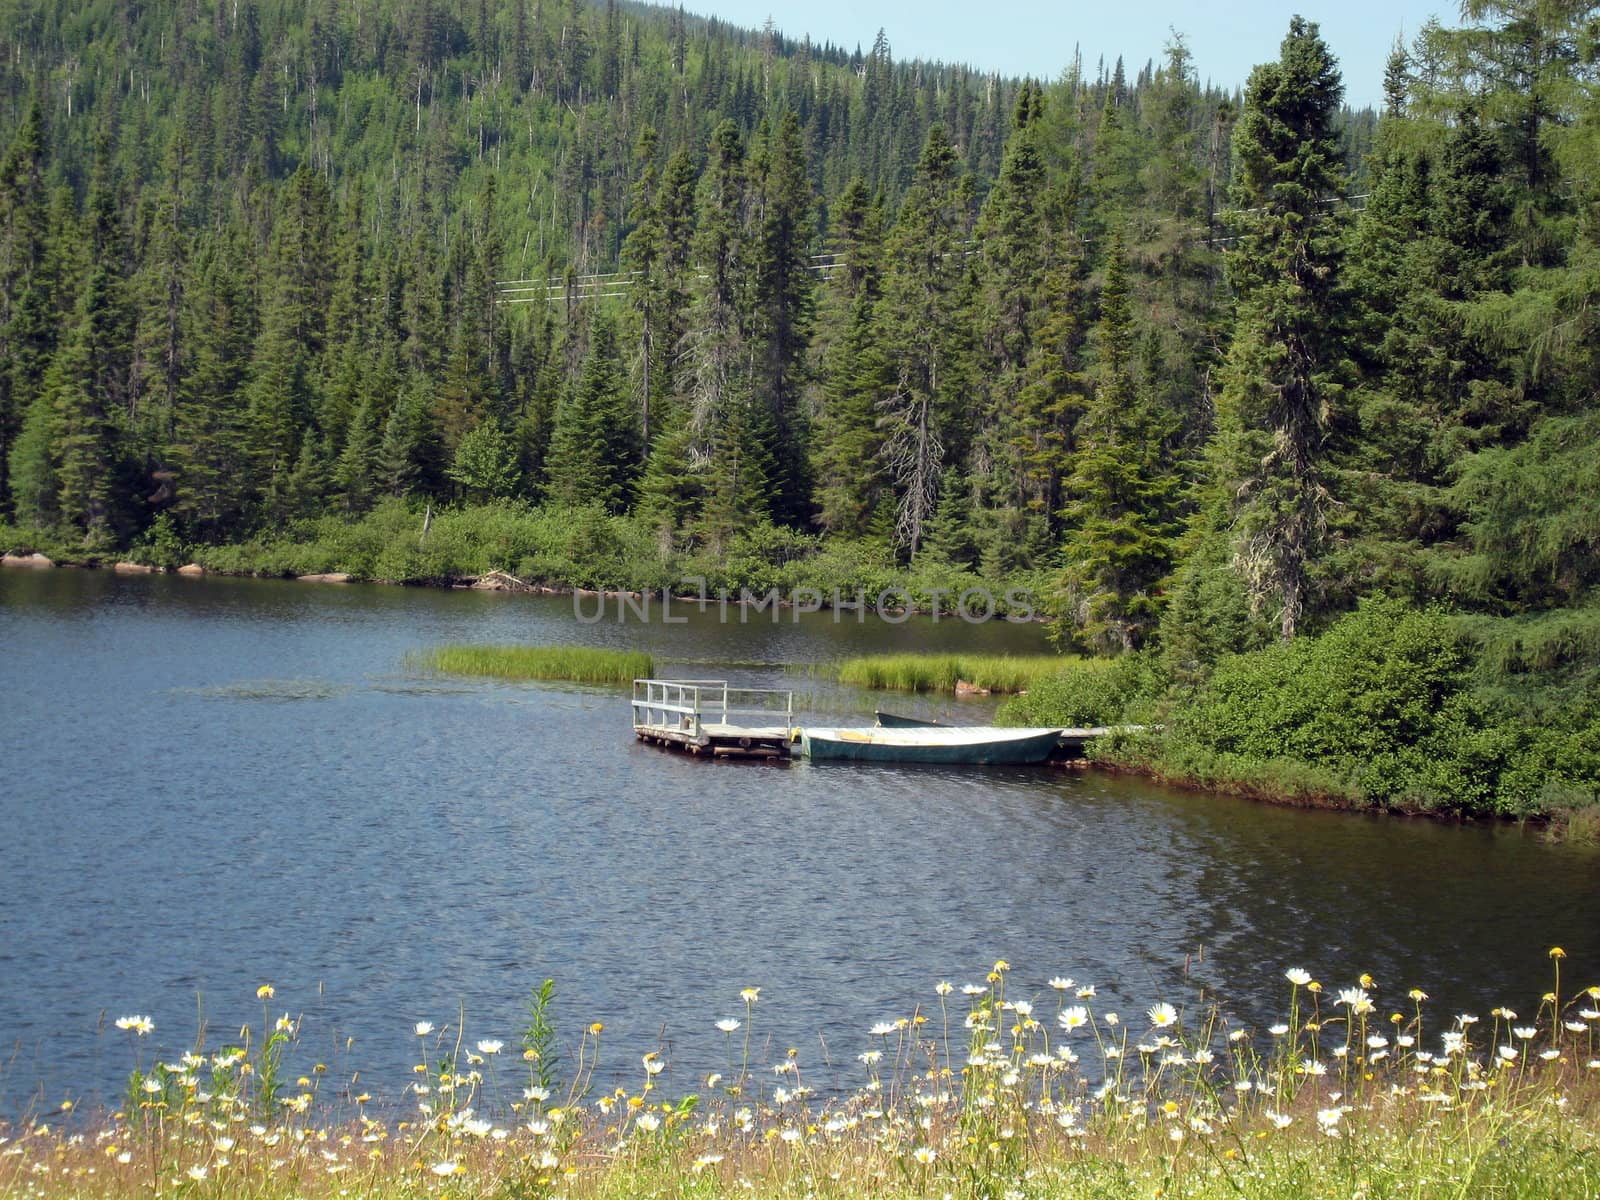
(686, 706)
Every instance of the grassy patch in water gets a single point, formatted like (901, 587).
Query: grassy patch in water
(575, 664)
(941, 672)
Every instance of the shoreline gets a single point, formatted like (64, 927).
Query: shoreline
(1569, 826)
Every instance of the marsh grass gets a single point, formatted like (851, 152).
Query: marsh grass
(975, 1093)
(575, 664)
(941, 672)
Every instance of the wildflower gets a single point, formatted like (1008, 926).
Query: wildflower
(1589, 1014)
(1377, 1042)
(1465, 1019)
(1061, 983)
(1503, 1012)
(423, 1029)
(1163, 1015)
(1454, 1041)
(1313, 1067)
(1023, 1008)
(652, 1064)
(924, 1154)
(1328, 1119)
(1507, 1053)
(1297, 976)
(447, 1167)
(944, 987)
(1358, 1000)
(1075, 1017)
(139, 1025)
(728, 1024)
(1417, 994)
(1525, 1032)
(750, 994)
(1557, 952)
(1280, 1120)
(883, 1029)
(491, 1046)
(706, 1160)
(1086, 992)
(265, 992)
(596, 1028)
(972, 989)
(196, 1173)
(537, 1094)
(285, 1024)
(648, 1122)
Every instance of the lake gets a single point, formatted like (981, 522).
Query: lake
(213, 784)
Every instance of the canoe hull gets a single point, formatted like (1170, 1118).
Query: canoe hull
(953, 746)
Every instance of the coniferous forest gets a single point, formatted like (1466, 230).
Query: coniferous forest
(1289, 407)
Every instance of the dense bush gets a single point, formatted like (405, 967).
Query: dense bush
(1109, 693)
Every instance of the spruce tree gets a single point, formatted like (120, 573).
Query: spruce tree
(926, 321)
(594, 452)
(782, 308)
(1281, 383)
(1123, 494)
(846, 464)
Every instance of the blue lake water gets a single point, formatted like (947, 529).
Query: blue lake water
(212, 784)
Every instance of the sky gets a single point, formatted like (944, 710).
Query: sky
(1036, 37)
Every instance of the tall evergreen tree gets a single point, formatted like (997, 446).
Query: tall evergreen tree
(1122, 511)
(925, 316)
(782, 304)
(1282, 378)
(594, 442)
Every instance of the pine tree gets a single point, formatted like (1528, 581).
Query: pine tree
(782, 308)
(26, 332)
(1121, 516)
(594, 453)
(207, 454)
(926, 322)
(89, 380)
(1281, 381)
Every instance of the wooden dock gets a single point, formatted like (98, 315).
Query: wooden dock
(706, 716)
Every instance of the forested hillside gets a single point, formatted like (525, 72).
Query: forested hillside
(1206, 371)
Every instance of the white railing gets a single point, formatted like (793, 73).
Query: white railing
(686, 705)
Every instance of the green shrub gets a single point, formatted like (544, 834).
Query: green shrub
(1091, 692)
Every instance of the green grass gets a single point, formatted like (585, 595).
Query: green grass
(941, 672)
(576, 664)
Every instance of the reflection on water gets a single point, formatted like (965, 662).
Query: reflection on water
(400, 847)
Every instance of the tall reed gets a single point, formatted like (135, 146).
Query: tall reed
(576, 664)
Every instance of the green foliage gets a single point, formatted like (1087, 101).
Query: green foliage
(539, 1036)
(1383, 704)
(1120, 691)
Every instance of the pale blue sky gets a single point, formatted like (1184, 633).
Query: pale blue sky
(1035, 37)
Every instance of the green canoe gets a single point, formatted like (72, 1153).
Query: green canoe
(948, 744)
